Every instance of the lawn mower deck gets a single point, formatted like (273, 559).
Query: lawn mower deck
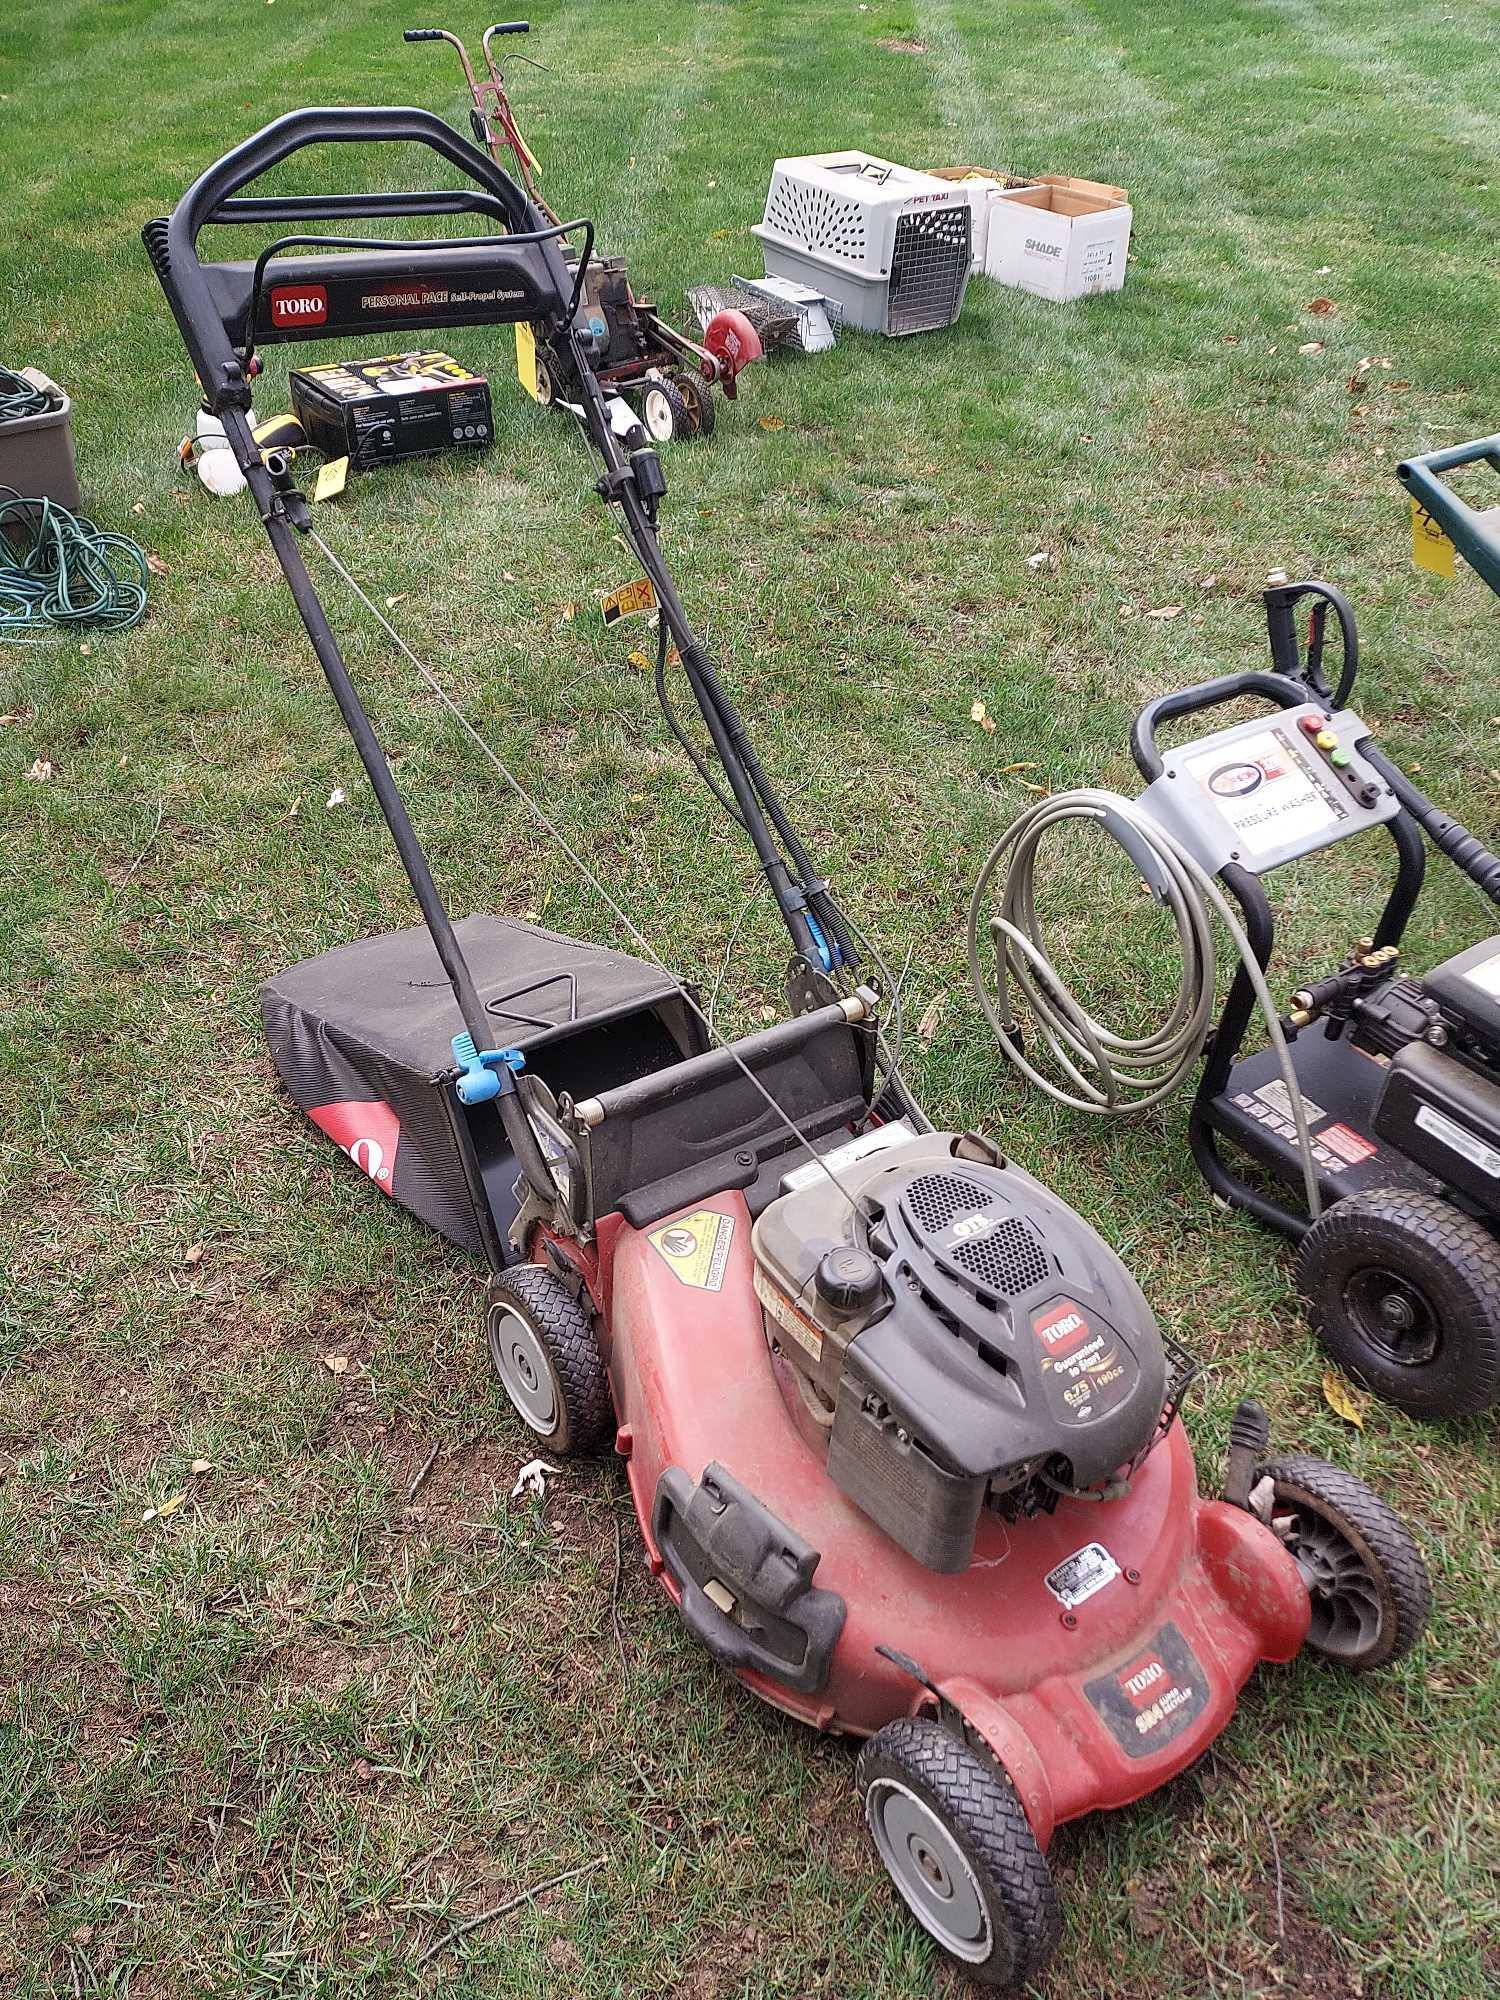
(899, 1427)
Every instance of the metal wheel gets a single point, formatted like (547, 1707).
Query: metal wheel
(664, 413)
(546, 1359)
(957, 1845)
(1404, 1289)
(1364, 1574)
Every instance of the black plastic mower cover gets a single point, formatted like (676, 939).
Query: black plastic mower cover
(363, 1035)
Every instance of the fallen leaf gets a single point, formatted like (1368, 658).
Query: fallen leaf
(980, 714)
(1311, 347)
(507, 575)
(336, 1364)
(569, 613)
(1165, 611)
(42, 770)
(772, 423)
(156, 566)
(199, 1466)
(1322, 307)
(1344, 1401)
(639, 660)
(399, 598)
(193, 1255)
(1009, 770)
(1041, 560)
(138, 507)
(1207, 582)
(1231, 340)
(86, 649)
(165, 1511)
(532, 1478)
(932, 1013)
(337, 797)
(363, 1770)
(16, 715)
(1325, 270)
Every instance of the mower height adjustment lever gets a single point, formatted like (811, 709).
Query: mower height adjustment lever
(484, 1073)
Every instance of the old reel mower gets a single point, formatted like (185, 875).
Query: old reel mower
(1367, 1129)
(668, 378)
(900, 1430)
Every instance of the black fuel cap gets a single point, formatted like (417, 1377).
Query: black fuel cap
(848, 1279)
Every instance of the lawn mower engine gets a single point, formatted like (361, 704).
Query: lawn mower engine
(956, 1338)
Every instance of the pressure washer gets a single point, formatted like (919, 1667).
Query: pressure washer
(1386, 1120)
(901, 1431)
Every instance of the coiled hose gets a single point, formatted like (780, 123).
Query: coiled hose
(1109, 1074)
(59, 572)
(20, 397)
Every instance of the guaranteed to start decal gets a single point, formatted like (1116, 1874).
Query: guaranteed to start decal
(696, 1247)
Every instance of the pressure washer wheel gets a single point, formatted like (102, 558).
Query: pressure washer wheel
(1404, 1290)
(664, 413)
(542, 1347)
(1366, 1577)
(699, 398)
(959, 1848)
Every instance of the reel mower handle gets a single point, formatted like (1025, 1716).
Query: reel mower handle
(1475, 535)
(508, 28)
(423, 35)
(208, 200)
(1208, 694)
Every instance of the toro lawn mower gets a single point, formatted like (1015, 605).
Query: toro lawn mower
(1387, 1120)
(900, 1429)
(668, 378)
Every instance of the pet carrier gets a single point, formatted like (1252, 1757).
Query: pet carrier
(887, 246)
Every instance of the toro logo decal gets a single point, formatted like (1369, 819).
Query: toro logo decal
(368, 1132)
(1061, 1327)
(1138, 1681)
(1153, 1698)
(299, 305)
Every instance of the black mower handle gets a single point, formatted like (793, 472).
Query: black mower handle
(423, 35)
(1472, 533)
(508, 28)
(1208, 694)
(175, 254)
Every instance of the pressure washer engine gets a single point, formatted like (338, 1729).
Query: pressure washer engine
(1377, 1095)
(874, 1388)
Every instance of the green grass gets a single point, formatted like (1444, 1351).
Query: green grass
(270, 1744)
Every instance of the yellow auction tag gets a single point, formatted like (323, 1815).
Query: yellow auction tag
(630, 597)
(526, 360)
(1430, 547)
(331, 479)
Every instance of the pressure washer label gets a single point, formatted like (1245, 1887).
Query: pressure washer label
(1458, 1140)
(1154, 1697)
(1268, 792)
(696, 1248)
(1086, 1571)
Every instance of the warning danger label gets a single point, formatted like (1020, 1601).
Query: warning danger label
(696, 1247)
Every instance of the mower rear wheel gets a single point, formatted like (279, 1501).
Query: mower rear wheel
(545, 1356)
(1369, 1585)
(699, 399)
(956, 1842)
(546, 388)
(664, 413)
(1404, 1290)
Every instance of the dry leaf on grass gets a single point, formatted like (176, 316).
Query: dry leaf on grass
(165, 1511)
(533, 1477)
(1343, 1400)
(639, 660)
(193, 1255)
(337, 797)
(42, 770)
(1043, 559)
(156, 566)
(336, 1364)
(980, 714)
(932, 1013)
(199, 1466)
(772, 423)
(1322, 307)
(1311, 347)
(1165, 611)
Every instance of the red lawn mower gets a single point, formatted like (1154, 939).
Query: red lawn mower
(900, 1428)
(668, 378)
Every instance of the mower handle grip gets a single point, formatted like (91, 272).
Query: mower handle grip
(183, 278)
(1208, 694)
(508, 28)
(423, 35)
(1473, 534)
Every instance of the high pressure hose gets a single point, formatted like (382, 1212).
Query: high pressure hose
(1110, 1074)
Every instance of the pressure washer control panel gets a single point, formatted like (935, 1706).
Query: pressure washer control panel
(1268, 791)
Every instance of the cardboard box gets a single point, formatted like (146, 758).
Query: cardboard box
(395, 406)
(1064, 238)
(980, 184)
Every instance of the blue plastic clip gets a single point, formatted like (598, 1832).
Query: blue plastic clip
(824, 951)
(478, 1082)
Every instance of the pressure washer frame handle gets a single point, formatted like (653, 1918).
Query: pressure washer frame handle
(1279, 688)
(1476, 540)
(1287, 657)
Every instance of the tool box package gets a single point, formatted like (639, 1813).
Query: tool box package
(901, 1433)
(395, 406)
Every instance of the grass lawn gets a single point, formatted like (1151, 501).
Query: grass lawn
(278, 1740)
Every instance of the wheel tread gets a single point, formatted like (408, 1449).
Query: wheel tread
(568, 1334)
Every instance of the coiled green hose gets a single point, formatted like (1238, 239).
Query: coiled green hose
(20, 398)
(59, 573)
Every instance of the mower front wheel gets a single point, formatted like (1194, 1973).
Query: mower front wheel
(546, 1359)
(1364, 1573)
(956, 1843)
(1404, 1290)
